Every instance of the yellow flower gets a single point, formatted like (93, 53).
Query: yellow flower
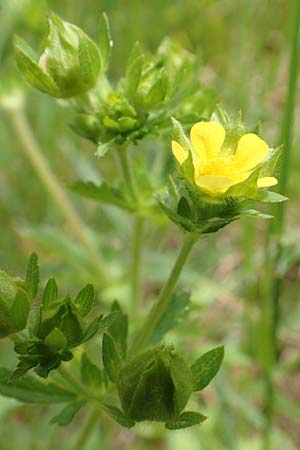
(217, 168)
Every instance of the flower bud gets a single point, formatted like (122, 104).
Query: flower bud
(14, 305)
(155, 385)
(69, 64)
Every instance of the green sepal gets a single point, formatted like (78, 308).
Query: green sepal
(185, 420)
(85, 299)
(110, 357)
(50, 295)
(116, 414)
(20, 310)
(31, 71)
(105, 40)
(56, 340)
(205, 368)
(32, 276)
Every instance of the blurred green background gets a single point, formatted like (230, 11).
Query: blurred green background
(243, 46)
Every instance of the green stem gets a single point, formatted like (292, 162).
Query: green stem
(71, 381)
(42, 167)
(288, 116)
(136, 265)
(272, 285)
(165, 293)
(286, 139)
(86, 431)
(125, 166)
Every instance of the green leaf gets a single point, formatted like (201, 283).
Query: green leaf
(20, 310)
(56, 340)
(90, 374)
(50, 293)
(111, 358)
(116, 414)
(85, 300)
(105, 40)
(175, 311)
(183, 382)
(68, 413)
(103, 193)
(118, 329)
(206, 367)
(270, 197)
(186, 420)
(29, 390)
(33, 276)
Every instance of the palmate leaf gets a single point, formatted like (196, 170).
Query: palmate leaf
(29, 390)
(67, 414)
(103, 193)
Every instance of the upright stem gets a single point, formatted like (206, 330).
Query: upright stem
(48, 178)
(122, 153)
(272, 285)
(165, 293)
(286, 139)
(136, 264)
(86, 431)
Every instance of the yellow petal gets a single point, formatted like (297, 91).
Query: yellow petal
(207, 139)
(213, 183)
(266, 182)
(179, 152)
(251, 150)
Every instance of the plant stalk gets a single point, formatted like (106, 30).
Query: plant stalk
(165, 294)
(48, 178)
(86, 431)
(270, 315)
(125, 167)
(136, 266)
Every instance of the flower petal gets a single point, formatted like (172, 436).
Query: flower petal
(179, 152)
(266, 182)
(251, 150)
(214, 183)
(207, 139)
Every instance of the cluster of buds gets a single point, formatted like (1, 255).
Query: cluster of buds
(154, 86)
(51, 325)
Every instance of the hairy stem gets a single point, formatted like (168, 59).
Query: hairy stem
(136, 255)
(273, 284)
(48, 178)
(86, 431)
(165, 294)
(125, 167)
